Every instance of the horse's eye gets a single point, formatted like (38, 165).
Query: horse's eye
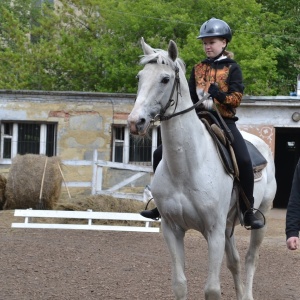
(165, 80)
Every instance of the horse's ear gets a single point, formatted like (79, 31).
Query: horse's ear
(146, 48)
(173, 50)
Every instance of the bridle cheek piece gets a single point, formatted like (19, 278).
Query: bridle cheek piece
(176, 86)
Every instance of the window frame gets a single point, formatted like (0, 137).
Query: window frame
(15, 138)
(126, 144)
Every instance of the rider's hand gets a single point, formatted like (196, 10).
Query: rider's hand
(208, 104)
(216, 93)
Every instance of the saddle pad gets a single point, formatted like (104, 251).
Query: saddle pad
(226, 157)
(258, 161)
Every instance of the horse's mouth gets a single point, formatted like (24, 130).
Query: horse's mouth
(138, 133)
(138, 128)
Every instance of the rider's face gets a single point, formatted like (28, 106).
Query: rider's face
(213, 46)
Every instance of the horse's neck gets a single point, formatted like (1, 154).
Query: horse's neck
(184, 137)
(182, 129)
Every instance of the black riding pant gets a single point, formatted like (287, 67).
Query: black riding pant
(244, 163)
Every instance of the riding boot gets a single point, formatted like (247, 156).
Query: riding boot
(151, 214)
(250, 220)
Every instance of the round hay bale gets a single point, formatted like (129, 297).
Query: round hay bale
(3, 182)
(34, 181)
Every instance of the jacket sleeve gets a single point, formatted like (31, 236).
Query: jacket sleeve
(293, 208)
(235, 92)
(192, 86)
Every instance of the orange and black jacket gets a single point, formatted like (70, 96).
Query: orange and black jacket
(227, 74)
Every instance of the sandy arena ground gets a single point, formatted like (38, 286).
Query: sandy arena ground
(78, 265)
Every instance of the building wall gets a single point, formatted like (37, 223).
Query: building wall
(262, 115)
(85, 120)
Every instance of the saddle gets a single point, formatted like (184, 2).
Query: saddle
(225, 150)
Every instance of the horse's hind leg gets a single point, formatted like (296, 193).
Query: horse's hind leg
(174, 239)
(252, 260)
(233, 263)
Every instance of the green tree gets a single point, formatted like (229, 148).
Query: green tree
(256, 58)
(94, 45)
(283, 36)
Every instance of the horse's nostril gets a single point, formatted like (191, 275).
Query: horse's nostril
(140, 124)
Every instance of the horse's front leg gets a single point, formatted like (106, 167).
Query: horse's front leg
(251, 260)
(174, 238)
(216, 246)
(234, 263)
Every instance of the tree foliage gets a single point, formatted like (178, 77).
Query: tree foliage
(283, 35)
(94, 45)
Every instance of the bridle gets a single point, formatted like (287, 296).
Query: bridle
(176, 86)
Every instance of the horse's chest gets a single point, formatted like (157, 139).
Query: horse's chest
(177, 207)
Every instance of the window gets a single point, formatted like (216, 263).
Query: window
(23, 138)
(140, 149)
(130, 149)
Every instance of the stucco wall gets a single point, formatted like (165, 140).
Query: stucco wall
(262, 115)
(84, 120)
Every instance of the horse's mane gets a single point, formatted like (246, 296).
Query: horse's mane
(161, 57)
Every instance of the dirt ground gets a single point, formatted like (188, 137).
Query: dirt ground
(69, 264)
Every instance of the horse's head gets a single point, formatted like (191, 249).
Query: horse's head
(157, 84)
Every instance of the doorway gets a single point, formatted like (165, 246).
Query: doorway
(287, 153)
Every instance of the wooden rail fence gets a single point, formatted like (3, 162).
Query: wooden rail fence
(30, 216)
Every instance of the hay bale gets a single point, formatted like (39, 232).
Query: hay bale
(28, 173)
(105, 203)
(3, 182)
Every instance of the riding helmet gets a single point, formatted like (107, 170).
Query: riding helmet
(215, 28)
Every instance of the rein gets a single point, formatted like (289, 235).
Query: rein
(165, 118)
(161, 116)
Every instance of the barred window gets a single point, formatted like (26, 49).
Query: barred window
(25, 137)
(130, 149)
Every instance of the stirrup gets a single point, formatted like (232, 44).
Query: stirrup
(150, 198)
(253, 211)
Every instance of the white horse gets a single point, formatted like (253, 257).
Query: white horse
(190, 186)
